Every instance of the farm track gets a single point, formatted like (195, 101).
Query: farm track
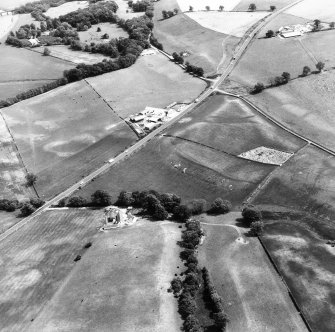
(137, 146)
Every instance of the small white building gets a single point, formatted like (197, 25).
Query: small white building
(137, 118)
(34, 42)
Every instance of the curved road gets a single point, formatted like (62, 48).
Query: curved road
(237, 55)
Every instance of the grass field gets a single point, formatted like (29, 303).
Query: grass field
(152, 81)
(227, 124)
(120, 284)
(263, 4)
(304, 183)
(206, 48)
(323, 10)
(254, 297)
(229, 23)
(187, 169)
(304, 105)
(307, 264)
(91, 35)
(36, 259)
(72, 57)
(267, 58)
(12, 172)
(58, 139)
(66, 8)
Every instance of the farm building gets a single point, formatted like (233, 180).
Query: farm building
(137, 118)
(34, 42)
(148, 52)
(295, 30)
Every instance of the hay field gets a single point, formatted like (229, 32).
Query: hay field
(66, 8)
(229, 23)
(254, 296)
(262, 4)
(323, 10)
(120, 284)
(305, 105)
(305, 183)
(37, 259)
(201, 5)
(267, 58)
(228, 124)
(206, 48)
(12, 172)
(65, 133)
(152, 81)
(18, 64)
(91, 35)
(188, 169)
(72, 57)
(307, 264)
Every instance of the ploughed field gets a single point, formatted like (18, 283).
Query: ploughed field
(65, 134)
(254, 296)
(120, 284)
(152, 81)
(36, 259)
(307, 264)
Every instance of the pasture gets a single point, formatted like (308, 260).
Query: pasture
(199, 5)
(254, 297)
(304, 105)
(307, 264)
(190, 170)
(59, 141)
(228, 125)
(72, 57)
(305, 183)
(152, 81)
(37, 259)
(12, 172)
(65, 8)
(229, 23)
(268, 58)
(93, 36)
(120, 284)
(262, 4)
(206, 48)
(323, 10)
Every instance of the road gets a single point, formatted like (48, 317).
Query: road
(236, 57)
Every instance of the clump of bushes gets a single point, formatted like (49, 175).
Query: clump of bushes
(220, 206)
(251, 214)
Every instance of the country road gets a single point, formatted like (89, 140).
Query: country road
(236, 57)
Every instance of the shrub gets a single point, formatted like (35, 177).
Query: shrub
(36, 202)
(78, 258)
(62, 202)
(269, 34)
(186, 304)
(191, 324)
(257, 228)
(220, 320)
(169, 201)
(31, 179)
(27, 209)
(160, 213)
(197, 206)
(251, 213)
(88, 245)
(101, 198)
(220, 206)
(185, 254)
(259, 87)
(182, 213)
(125, 199)
(46, 51)
(176, 285)
(77, 201)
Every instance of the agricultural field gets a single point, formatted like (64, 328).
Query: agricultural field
(305, 183)
(205, 48)
(188, 169)
(199, 5)
(6, 24)
(21, 66)
(72, 57)
(304, 105)
(307, 264)
(262, 4)
(66, 8)
(12, 172)
(36, 260)
(267, 58)
(152, 81)
(254, 296)
(120, 284)
(228, 125)
(230, 23)
(57, 138)
(323, 10)
(93, 36)
(8, 219)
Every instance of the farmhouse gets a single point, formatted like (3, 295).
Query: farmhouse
(295, 30)
(116, 217)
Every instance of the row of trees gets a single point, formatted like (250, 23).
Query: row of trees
(26, 207)
(285, 77)
(169, 13)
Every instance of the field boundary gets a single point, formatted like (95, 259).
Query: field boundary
(51, 55)
(300, 312)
